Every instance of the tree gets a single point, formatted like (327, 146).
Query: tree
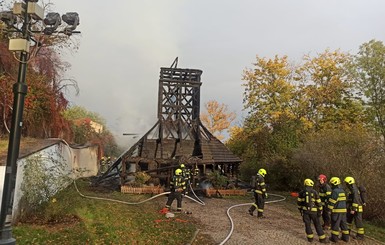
(370, 70)
(79, 112)
(268, 92)
(217, 118)
(45, 100)
(81, 120)
(326, 86)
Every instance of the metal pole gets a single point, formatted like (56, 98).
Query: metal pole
(19, 91)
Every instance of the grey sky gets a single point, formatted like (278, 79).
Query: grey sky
(124, 44)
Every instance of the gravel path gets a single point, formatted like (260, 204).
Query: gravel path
(281, 226)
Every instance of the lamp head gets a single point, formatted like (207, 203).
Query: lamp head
(8, 17)
(52, 21)
(72, 20)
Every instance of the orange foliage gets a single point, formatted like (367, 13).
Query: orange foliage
(217, 118)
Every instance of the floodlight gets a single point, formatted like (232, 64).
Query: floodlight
(8, 18)
(72, 19)
(52, 21)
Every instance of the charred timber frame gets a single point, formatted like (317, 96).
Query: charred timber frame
(178, 136)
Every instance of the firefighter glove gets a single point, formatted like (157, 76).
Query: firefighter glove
(265, 195)
(319, 213)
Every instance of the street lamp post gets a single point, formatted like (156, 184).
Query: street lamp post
(27, 10)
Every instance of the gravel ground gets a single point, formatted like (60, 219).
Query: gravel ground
(281, 226)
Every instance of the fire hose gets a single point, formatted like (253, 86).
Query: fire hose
(282, 198)
(135, 203)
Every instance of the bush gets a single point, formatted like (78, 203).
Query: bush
(353, 153)
(217, 179)
(141, 178)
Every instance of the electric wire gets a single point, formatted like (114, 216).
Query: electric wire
(245, 204)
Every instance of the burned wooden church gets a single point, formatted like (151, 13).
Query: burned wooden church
(177, 137)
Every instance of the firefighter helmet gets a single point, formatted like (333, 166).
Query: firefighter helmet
(262, 172)
(308, 182)
(323, 177)
(181, 165)
(349, 180)
(178, 171)
(335, 181)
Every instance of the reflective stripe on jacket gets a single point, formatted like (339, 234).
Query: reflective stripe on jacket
(177, 182)
(354, 201)
(337, 201)
(309, 200)
(260, 186)
(324, 193)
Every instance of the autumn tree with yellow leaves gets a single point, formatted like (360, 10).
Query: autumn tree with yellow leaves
(217, 118)
(287, 102)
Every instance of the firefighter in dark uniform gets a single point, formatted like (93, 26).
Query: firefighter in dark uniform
(337, 206)
(355, 208)
(186, 174)
(177, 186)
(259, 194)
(310, 207)
(324, 192)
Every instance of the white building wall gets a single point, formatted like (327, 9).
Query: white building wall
(83, 162)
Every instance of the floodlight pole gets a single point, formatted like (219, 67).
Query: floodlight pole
(19, 91)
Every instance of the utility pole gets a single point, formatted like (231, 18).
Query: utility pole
(19, 91)
(28, 13)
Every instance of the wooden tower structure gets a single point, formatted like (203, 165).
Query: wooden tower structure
(177, 137)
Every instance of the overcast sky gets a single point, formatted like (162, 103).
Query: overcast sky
(124, 43)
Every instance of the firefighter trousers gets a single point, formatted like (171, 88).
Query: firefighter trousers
(326, 215)
(171, 197)
(259, 204)
(338, 221)
(308, 219)
(357, 218)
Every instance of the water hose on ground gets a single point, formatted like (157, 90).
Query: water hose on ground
(134, 203)
(118, 201)
(282, 198)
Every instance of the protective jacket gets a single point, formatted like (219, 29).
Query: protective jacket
(324, 192)
(354, 201)
(309, 200)
(260, 186)
(178, 183)
(337, 200)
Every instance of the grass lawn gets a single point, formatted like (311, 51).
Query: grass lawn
(72, 219)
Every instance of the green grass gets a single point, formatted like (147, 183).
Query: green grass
(3, 143)
(73, 219)
(76, 220)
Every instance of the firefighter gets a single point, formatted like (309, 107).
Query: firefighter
(186, 174)
(354, 205)
(310, 207)
(259, 194)
(324, 192)
(177, 186)
(195, 175)
(337, 206)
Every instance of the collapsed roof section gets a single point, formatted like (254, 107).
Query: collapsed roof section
(178, 136)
